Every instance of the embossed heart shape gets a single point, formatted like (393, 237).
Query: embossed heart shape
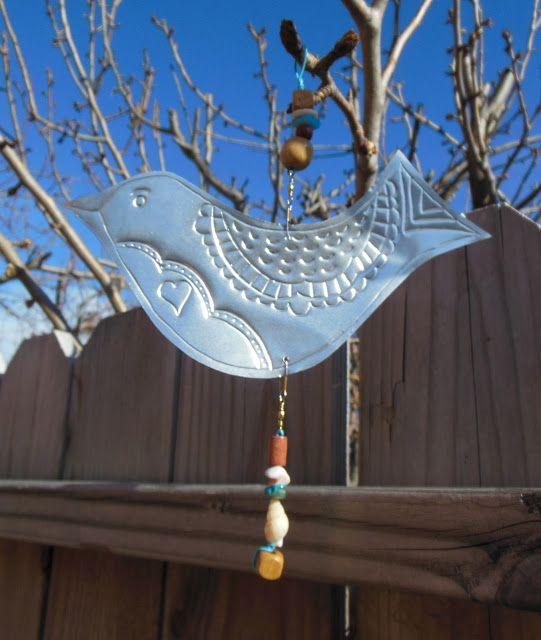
(176, 293)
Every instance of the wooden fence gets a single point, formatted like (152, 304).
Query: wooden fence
(126, 503)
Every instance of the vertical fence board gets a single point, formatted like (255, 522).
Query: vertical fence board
(394, 615)
(224, 425)
(121, 421)
(418, 411)
(511, 624)
(505, 277)
(506, 329)
(33, 404)
(462, 410)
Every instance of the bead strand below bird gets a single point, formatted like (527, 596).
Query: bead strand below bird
(269, 560)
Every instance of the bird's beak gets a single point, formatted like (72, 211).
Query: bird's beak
(88, 206)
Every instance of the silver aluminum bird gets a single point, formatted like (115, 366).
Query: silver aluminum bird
(240, 294)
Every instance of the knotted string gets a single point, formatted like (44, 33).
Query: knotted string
(299, 74)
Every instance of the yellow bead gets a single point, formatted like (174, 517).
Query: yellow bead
(270, 565)
(296, 153)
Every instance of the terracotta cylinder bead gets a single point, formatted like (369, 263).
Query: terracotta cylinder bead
(278, 451)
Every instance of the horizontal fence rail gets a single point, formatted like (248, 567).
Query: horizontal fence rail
(478, 543)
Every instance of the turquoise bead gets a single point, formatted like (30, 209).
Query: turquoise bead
(277, 491)
(305, 118)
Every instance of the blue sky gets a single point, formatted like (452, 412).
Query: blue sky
(221, 57)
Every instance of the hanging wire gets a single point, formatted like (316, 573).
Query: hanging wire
(291, 184)
(282, 396)
(289, 203)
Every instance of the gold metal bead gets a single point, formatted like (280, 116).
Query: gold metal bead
(296, 153)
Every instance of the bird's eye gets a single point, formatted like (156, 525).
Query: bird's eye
(139, 200)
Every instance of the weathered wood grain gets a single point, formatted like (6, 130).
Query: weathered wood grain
(456, 403)
(390, 615)
(33, 409)
(121, 424)
(477, 544)
(223, 428)
(418, 418)
(224, 604)
(33, 402)
(505, 276)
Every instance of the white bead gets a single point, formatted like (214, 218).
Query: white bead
(277, 524)
(278, 475)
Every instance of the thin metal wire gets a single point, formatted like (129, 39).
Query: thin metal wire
(282, 396)
(289, 204)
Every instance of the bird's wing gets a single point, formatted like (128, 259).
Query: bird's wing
(323, 264)
(310, 268)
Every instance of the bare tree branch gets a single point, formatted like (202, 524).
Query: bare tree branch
(401, 41)
(60, 222)
(19, 269)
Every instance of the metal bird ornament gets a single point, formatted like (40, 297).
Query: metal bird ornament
(239, 294)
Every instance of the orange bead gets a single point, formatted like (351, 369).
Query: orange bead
(270, 565)
(278, 451)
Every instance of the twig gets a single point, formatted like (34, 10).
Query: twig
(53, 313)
(274, 166)
(60, 222)
(401, 40)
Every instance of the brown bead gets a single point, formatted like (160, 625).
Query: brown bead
(270, 565)
(302, 99)
(304, 131)
(278, 451)
(296, 153)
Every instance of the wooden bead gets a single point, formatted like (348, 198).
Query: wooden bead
(302, 99)
(296, 153)
(277, 524)
(270, 565)
(278, 451)
(304, 131)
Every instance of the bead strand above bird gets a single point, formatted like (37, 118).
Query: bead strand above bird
(297, 151)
